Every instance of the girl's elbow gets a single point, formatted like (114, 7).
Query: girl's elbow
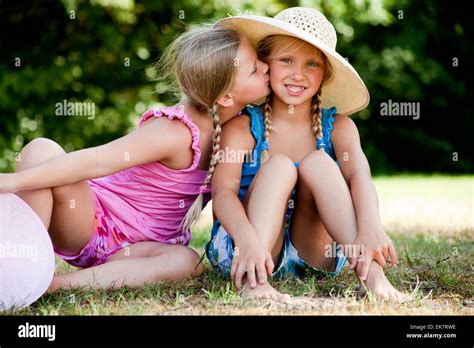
(219, 195)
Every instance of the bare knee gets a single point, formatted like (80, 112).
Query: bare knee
(281, 166)
(187, 263)
(316, 161)
(37, 151)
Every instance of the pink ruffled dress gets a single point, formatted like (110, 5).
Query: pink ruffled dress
(143, 203)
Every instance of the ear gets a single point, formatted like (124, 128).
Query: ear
(226, 101)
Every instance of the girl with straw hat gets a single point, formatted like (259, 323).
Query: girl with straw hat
(305, 203)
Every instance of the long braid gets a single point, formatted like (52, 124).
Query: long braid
(195, 210)
(216, 139)
(316, 124)
(267, 114)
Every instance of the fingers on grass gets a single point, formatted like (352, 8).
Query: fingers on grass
(354, 257)
(233, 270)
(365, 267)
(269, 266)
(261, 273)
(385, 253)
(380, 259)
(393, 255)
(239, 274)
(251, 276)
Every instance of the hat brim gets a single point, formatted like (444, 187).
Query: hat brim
(345, 89)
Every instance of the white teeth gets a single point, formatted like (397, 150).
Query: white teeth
(295, 89)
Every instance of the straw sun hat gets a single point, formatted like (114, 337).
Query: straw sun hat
(345, 89)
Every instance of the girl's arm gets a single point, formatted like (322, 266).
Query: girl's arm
(252, 257)
(158, 140)
(371, 240)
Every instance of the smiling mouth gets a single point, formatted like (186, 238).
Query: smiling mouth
(294, 90)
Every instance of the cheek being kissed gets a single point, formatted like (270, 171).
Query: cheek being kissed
(295, 80)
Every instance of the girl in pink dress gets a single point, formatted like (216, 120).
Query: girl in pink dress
(122, 211)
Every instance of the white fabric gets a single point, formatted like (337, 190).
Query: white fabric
(26, 254)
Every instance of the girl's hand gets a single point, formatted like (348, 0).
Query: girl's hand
(251, 258)
(8, 182)
(372, 245)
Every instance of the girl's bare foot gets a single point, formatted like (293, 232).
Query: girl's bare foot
(378, 284)
(265, 291)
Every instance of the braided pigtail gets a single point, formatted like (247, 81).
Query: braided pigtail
(316, 124)
(195, 210)
(267, 113)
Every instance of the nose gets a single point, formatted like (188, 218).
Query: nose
(265, 67)
(298, 73)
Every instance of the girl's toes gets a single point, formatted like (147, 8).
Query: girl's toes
(382, 296)
(393, 297)
(396, 296)
(403, 297)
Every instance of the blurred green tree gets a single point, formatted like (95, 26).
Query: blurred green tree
(102, 51)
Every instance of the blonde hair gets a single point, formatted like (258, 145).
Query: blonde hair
(201, 66)
(279, 44)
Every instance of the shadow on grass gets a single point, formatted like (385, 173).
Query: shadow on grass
(442, 265)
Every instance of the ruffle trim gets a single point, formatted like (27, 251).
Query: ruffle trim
(172, 113)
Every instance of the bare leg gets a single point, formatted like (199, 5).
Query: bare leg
(325, 213)
(265, 204)
(66, 211)
(134, 266)
(68, 214)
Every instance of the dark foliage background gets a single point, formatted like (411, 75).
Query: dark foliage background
(103, 52)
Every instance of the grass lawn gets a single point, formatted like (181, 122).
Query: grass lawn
(429, 218)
